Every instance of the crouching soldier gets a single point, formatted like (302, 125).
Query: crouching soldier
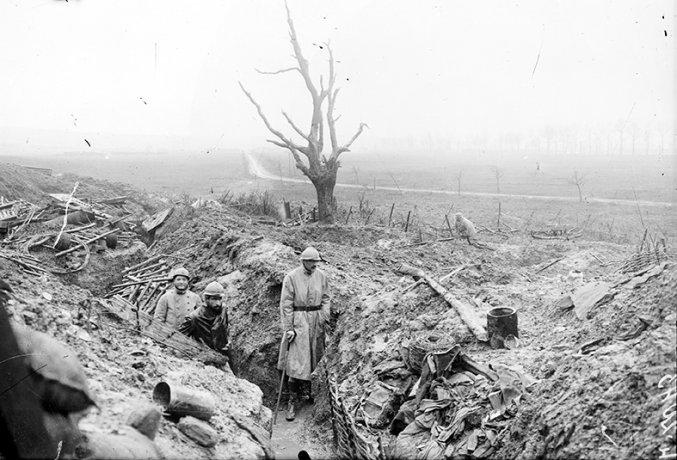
(304, 308)
(178, 302)
(209, 323)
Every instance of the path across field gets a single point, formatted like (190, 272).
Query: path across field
(256, 169)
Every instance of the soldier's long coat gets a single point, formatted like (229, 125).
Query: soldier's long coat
(301, 289)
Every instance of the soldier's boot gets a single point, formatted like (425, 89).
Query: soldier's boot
(291, 410)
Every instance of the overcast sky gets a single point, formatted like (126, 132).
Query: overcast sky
(163, 74)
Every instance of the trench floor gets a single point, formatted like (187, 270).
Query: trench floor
(289, 438)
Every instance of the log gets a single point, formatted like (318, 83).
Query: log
(141, 264)
(181, 401)
(464, 310)
(140, 281)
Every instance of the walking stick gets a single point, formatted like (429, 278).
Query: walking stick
(279, 391)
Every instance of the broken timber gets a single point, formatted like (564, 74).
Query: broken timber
(464, 310)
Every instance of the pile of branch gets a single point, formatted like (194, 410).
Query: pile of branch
(302, 219)
(144, 283)
(27, 262)
(557, 234)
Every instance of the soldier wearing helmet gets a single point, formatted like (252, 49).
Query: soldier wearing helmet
(178, 302)
(304, 308)
(209, 323)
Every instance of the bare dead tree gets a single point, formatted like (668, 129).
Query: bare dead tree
(309, 158)
(578, 180)
(498, 173)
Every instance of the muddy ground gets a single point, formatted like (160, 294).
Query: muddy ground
(598, 401)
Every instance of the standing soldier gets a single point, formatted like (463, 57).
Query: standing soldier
(209, 323)
(304, 308)
(178, 302)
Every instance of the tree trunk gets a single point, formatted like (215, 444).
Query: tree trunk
(326, 204)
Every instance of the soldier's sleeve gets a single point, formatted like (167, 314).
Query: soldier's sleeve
(326, 301)
(161, 310)
(188, 325)
(287, 304)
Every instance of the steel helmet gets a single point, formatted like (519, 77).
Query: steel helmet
(179, 271)
(310, 253)
(214, 288)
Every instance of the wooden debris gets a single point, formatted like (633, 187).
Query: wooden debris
(89, 241)
(549, 264)
(556, 234)
(157, 219)
(464, 310)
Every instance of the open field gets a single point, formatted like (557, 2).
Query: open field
(649, 178)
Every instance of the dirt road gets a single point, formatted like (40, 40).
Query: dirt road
(256, 169)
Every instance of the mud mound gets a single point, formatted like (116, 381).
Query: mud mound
(606, 403)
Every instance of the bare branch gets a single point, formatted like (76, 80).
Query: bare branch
(298, 55)
(297, 158)
(288, 143)
(296, 128)
(346, 147)
(290, 69)
(331, 121)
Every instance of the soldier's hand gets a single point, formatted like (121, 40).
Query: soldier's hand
(291, 335)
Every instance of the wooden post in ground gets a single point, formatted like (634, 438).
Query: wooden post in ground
(498, 219)
(390, 217)
(406, 225)
(369, 215)
(446, 218)
(350, 211)
(287, 209)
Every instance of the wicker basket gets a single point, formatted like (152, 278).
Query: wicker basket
(420, 345)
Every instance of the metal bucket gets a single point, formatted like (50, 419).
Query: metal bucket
(501, 323)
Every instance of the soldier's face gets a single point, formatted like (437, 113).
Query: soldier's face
(309, 265)
(213, 302)
(181, 283)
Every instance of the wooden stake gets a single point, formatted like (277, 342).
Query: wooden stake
(406, 226)
(390, 217)
(446, 218)
(498, 219)
(350, 211)
(369, 215)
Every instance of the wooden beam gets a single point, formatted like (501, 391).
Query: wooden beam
(465, 311)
